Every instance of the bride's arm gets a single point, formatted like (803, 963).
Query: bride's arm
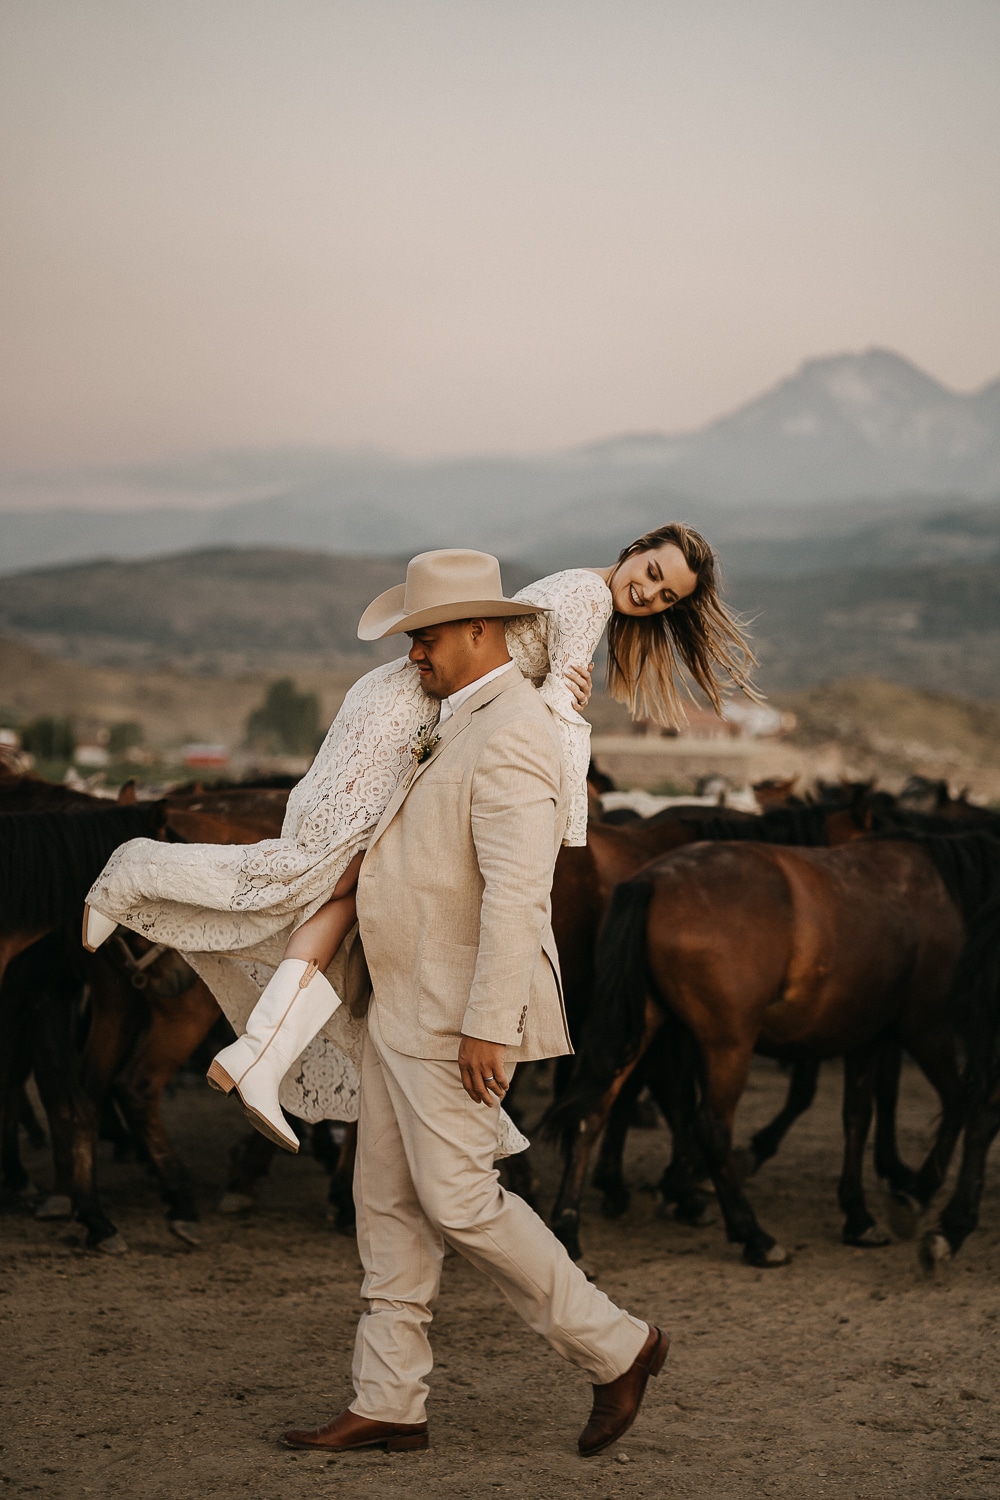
(579, 607)
(358, 766)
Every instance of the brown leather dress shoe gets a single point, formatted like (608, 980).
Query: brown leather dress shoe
(616, 1405)
(351, 1431)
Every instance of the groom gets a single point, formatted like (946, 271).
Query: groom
(453, 906)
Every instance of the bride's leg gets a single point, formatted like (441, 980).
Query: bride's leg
(296, 1003)
(320, 937)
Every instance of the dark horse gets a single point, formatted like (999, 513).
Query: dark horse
(977, 998)
(797, 953)
(48, 861)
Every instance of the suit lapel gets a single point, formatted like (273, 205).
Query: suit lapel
(450, 731)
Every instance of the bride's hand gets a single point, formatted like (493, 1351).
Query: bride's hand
(581, 683)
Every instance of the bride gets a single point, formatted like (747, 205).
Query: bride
(271, 927)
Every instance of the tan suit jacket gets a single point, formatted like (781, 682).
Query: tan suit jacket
(453, 894)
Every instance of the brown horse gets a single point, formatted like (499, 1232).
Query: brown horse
(798, 953)
(39, 1014)
(584, 881)
(149, 1010)
(135, 1041)
(231, 815)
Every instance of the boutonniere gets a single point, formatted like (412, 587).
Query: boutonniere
(423, 745)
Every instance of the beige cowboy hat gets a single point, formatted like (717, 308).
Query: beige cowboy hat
(450, 584)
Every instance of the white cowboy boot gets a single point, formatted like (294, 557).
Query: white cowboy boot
(97, 928)
(296, 1003)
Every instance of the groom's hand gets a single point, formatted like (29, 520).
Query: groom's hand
(482, 1067)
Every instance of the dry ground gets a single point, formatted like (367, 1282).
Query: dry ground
(171, 1372)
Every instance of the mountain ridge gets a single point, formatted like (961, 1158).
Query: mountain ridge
(929, 625)
(847, 428)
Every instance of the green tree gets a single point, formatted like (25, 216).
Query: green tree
(47, 738)
(287, 722)
(122, 737)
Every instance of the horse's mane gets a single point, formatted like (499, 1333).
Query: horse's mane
(279, 782)
(804, 825)
(886, 816)
(49, 860)
(19, 794)
(968, 861)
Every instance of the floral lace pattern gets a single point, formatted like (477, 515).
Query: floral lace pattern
(230, 909)
(543, 646)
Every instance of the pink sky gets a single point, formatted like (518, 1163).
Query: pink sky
(453, 225)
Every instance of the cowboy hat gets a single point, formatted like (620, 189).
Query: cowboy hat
(450, 584)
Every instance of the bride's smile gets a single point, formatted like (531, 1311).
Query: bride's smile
(647, 583)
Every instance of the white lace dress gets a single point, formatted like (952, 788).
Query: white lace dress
(230, 909)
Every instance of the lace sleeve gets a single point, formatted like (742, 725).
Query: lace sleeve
(358, 766)
(579, 608)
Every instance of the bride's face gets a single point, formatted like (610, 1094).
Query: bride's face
(650, 582)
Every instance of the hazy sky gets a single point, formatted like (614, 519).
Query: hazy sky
(447, 225)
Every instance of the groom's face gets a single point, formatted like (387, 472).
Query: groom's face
(446, 656)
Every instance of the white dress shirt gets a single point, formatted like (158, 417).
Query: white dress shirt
(454, 701)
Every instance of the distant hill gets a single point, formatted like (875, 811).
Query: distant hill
(935, 627)
(868, 428)
(867, 537)
(173, 708)
(878, 728)
(221, 610)
(891, 731)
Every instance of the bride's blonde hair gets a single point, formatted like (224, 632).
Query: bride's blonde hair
(700, 631)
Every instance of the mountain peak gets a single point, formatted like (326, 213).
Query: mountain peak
(874, 375)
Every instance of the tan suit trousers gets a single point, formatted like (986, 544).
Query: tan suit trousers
(425, 1175)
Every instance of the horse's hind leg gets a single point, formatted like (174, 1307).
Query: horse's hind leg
(577, 1148)
(249, 1160)
(935, 1054)
(30, 1123)
(859, 1088)
(672, 1082)
(73, 1117)
(341, 1194)
(16, 1185)
(179, 1023)
(726, 1071)
(609, 1171)
(893, 1171)
(22, 994)
(961, 1215)
(801, 1093)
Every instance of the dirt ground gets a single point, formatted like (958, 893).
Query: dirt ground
(171, 1372)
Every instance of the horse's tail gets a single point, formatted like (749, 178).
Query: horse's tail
(976, 991)
(614, 1029)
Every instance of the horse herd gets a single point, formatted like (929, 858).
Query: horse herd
(852, 924)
